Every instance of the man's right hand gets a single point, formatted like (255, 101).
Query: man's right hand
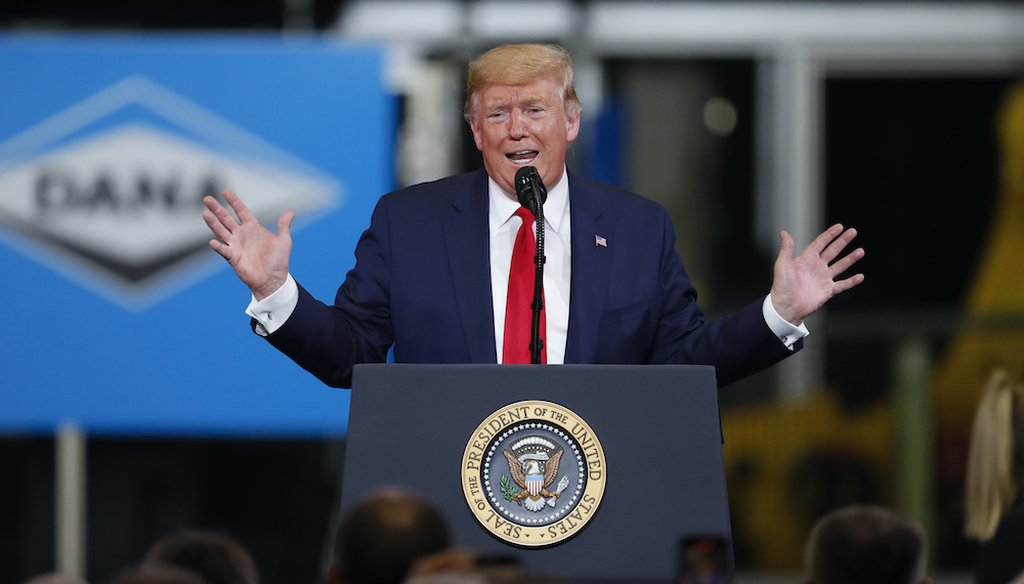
(259, 258)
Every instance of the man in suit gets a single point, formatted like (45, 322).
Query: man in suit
(432, 274)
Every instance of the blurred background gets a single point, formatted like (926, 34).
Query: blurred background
(135, 399)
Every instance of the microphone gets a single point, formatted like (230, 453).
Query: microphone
(530, 188)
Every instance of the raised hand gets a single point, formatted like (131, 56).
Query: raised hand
(259, 257)
(803, 284)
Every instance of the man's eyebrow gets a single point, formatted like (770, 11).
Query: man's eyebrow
(525, 101)
(533, 100)
(496, 104)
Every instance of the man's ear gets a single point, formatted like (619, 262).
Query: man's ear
(572, 125)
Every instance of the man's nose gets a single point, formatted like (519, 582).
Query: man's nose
(517, 125)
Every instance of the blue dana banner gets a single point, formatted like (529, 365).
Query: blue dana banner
(117, 316)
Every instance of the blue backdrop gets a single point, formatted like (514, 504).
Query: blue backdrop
(116, 314)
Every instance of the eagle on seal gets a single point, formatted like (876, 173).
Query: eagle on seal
(534, 467)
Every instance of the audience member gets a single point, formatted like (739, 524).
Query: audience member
(994, 505)
(216, 557)
(380, 539)
(862, 544)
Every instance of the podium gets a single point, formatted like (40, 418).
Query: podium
(661, 473)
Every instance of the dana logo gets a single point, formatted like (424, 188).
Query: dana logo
(111, 189)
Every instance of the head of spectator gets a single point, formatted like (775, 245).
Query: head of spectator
(216, 557)
(381, 537)
(865, 544)
(995, 461)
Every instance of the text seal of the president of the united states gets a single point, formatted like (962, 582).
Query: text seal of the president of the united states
(534, 473)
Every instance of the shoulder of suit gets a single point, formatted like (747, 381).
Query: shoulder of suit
(610, 196)
(433, 196)
(442, 185)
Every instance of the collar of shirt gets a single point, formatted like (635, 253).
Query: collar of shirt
(503, 206)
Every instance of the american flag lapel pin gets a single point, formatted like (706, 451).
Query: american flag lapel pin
(600, 241)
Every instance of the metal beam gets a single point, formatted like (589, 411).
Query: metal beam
(70, 501)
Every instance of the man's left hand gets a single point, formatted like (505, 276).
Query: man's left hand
(803, 284)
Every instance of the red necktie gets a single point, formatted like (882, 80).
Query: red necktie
(518, 313)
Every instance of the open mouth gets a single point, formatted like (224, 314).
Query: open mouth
(522, 156)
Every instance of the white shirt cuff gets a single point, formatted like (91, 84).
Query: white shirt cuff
(272, 312)
(787, 332)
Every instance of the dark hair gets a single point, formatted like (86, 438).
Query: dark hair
(216, 557)
(863, 544)
(379, 539)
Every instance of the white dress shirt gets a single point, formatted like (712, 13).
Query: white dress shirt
(503, 227)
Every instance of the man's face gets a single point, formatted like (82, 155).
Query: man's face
(523, 125)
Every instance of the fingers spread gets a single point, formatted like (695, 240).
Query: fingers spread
(222, 214)
(223, 250)
(826, 237)
(216, 226)
(838, 244)
(211, 203)
(844, 285)
(847, 261)
(244, 215)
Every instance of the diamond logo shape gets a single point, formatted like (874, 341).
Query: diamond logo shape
(112, 188)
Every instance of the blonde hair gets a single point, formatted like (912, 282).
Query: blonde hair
(518, 65)
(993, 470)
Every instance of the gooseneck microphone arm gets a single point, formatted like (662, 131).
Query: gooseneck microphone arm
(531, 193)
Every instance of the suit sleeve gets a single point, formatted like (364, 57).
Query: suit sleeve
(328, 341)
(737, 345)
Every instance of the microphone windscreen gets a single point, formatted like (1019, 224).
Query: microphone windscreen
(526, 177)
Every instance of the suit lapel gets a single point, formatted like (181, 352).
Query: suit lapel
(467, 241)
(590, 268)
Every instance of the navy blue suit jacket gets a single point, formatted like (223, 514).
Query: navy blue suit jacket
(422, 282)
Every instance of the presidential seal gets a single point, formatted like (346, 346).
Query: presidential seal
(533, 473)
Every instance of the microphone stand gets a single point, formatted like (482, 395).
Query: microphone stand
(536, 343)
(531, 193)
